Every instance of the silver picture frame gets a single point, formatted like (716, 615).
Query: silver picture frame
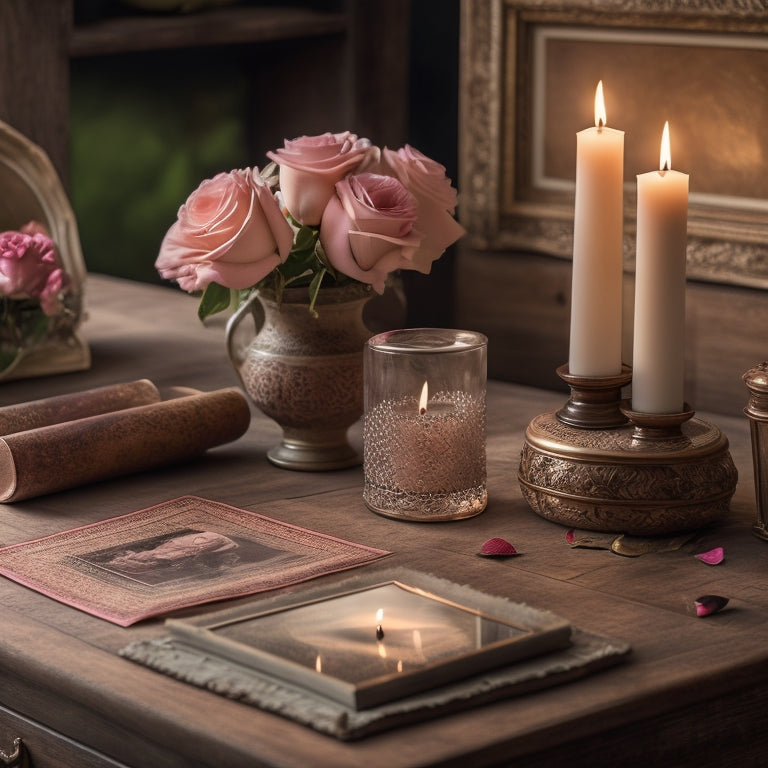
(376, 640)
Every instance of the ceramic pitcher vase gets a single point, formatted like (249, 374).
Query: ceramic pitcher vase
(305, 372)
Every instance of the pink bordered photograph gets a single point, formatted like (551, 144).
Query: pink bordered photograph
(181, 553)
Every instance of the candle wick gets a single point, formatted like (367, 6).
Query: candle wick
(379, 632)
(600, 125)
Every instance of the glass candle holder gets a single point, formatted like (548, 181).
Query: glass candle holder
(425, 423)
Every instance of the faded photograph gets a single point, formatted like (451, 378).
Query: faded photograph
(181, 555)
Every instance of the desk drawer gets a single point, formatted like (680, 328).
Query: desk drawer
(46, 748)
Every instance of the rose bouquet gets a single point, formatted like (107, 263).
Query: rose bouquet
(328, 210)
(33, 288)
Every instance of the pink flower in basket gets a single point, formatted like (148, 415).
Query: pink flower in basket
(33, 290)
(30, 268)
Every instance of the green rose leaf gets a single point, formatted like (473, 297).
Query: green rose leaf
(215, 299)
(305, 240)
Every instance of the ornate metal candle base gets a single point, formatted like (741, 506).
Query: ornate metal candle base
(647, 474)
(595, 401)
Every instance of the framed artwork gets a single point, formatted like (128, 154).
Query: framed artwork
(377, 642)
(384, 647)
(529, 69)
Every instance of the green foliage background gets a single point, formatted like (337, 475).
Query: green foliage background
(146, 130)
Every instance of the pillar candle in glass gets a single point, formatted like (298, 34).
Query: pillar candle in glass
(598, 225)
(425, 424)
(658, 364)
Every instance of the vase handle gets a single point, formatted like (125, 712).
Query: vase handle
(237, 343)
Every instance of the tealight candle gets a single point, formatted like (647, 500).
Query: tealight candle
(436, 448)
(424, 428)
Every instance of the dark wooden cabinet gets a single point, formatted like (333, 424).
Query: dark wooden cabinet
(27, 744)
(351, 57)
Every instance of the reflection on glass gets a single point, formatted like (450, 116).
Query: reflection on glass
(386, 630)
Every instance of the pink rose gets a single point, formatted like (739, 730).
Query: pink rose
(310, 166)
(50, 301)
(368, 231)
(29, 268)
(229, 231)
(426, 180)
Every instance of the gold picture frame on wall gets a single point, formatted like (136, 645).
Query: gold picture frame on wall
(529, 69)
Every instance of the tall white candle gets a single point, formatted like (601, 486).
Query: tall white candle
(595, 344)
(658, 367)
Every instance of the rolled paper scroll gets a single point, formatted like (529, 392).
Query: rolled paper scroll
(60, 456)
(77, 405)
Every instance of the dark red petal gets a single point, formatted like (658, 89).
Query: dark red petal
(497, 547)
(709, 604)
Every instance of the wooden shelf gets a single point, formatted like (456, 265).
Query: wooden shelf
(323, 44)
(218, 26)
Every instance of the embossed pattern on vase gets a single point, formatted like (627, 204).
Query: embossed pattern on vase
(304, 371)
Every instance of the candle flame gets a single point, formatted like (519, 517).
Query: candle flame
(318, 664)
(379, 615)
(665, 156)
(423, 399)
(600, 116)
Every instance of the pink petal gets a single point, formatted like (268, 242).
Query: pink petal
(709, 604)
(498, 548)
(713, 557)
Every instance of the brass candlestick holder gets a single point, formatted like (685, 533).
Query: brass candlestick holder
(756, 380)
(597, 465)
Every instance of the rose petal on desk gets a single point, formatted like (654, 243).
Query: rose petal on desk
(497, 547)
(713, 557)
(709, 604)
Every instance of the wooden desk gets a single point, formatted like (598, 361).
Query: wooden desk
(693, 693)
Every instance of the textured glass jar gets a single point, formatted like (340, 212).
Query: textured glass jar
(425, 424)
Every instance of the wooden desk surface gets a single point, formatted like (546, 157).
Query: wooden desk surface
(694, 691)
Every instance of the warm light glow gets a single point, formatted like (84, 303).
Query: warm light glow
(600, 116)
(382, 650)
(424, 398)
(665, 156)
(399, 665)
(379, 615)
(417, 640)
(318, 663)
